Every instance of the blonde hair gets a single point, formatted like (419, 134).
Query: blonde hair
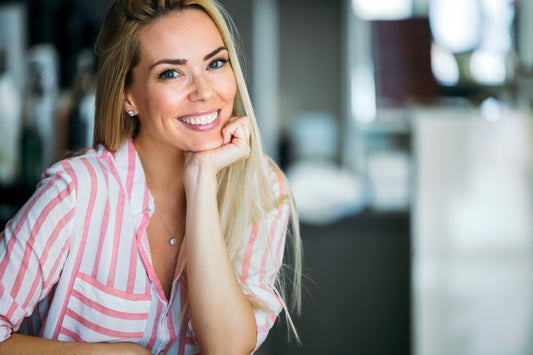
(118, 53)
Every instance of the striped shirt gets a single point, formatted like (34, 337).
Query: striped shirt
(75, 262)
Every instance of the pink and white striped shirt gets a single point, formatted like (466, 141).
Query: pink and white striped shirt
(75, 262)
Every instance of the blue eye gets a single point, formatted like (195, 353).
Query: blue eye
(168, 74)
(217, 63)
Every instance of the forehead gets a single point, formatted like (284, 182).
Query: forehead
(180, 35)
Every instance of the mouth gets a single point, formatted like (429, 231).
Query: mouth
(200, 120)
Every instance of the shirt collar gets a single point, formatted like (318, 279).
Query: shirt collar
(131, 174)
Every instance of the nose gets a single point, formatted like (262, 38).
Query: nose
(201, 88)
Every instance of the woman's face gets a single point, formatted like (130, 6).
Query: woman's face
(183, 86)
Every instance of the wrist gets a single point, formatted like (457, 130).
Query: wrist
(201, 178)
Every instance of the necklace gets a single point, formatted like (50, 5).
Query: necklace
(172, 241)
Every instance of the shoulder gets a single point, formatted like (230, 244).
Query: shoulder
(275, 180)
(90, 162)
(79, 172)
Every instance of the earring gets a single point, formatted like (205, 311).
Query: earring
(131, 113)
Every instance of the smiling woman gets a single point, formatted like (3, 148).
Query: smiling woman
(169, 234)
(183, 87)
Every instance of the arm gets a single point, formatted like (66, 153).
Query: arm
(25, 344)
(258, 265)
(260, 257)
(33, 248)
(222, 317)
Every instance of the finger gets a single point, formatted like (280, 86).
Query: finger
(236, 128)
(230, 132)
(245, 127)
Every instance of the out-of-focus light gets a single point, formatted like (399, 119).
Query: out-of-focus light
(491, 109)
(444, 65)
(363, 93)
(383, 9)
(498, 24)
(488, 67)
(455, 24)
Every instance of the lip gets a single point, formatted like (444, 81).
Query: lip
(200, 127)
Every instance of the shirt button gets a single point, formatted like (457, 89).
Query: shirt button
(160, 353)
(149, 208)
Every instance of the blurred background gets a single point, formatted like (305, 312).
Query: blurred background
(404, 127)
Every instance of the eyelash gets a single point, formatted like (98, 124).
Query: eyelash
(162, 75)
(223, 61)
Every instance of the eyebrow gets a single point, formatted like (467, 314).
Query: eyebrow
(184, 61)
(215, 52)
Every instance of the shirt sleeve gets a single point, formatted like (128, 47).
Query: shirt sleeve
(262, 257)
(33, 247)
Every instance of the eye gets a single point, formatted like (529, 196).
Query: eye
(168, 74)
(217, 63)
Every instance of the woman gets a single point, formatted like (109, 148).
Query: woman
(168, 235)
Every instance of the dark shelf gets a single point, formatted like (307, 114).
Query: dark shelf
(12, 198)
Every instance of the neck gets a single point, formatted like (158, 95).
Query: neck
(163, 166)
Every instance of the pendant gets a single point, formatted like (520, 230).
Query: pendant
(172, 241)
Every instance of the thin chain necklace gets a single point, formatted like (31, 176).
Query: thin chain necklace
(172, 241)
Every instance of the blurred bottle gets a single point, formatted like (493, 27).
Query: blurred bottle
(81, 118)
(32, 141)
(10, 122)
(39, 137)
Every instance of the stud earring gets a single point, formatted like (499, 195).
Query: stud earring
(131, 113)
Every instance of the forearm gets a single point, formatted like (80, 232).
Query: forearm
(222, 317)
(25, 344)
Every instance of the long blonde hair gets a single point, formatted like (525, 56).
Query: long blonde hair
(118, 53)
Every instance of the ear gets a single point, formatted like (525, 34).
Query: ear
(127, 101)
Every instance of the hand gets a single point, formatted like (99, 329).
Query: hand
(26, 344)
(127, 348)
(235, 147)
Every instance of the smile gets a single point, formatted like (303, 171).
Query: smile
(199, 120)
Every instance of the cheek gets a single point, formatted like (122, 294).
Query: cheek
(226, 83)
(163, 101)
(230, 89)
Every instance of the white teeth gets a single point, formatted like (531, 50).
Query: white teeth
(200, 120)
